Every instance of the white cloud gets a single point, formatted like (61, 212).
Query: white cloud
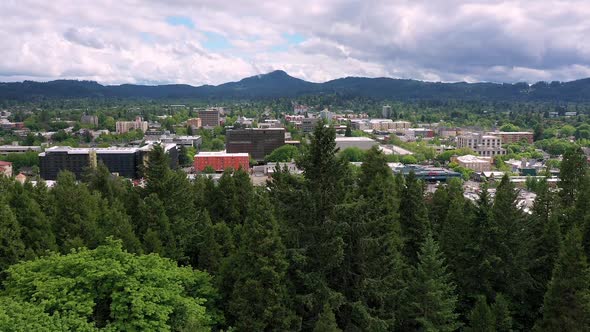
(129, 41)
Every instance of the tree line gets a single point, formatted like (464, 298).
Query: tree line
(338, 248)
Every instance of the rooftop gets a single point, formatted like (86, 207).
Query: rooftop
(354, 139)
(474, 159)
(220, 154)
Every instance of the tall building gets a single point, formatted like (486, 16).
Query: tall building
(386, 112)
(221, 160)
(209, 118)
(484, 145)
(89, 119)
(125, 126)
(508, 137)
(125, 162)
(257, 142)
(308, 124)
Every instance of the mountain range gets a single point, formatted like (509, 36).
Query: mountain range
(280, 84)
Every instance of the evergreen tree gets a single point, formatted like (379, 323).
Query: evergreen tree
(567, 301)
(12, 248)
(157, 171)
(433, 298)
(36, 234)
(572, 172)
(326, 321)
(348, 132)
(481, 318)
(75, 221)
(155, 229)
(502, 314)
(115, 222)
(413, 218)
(259, 300)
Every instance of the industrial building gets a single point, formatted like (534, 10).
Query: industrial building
(257, 142)
(222, 160)
(124, 162)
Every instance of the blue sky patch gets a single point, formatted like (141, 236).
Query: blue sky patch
(180, 20)
(294, 38)
(215, 41)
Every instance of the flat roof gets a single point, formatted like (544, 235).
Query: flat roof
(354, 139)
(220, 154)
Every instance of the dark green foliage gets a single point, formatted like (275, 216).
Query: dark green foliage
(326, 321)
(12, 248)
(259, 299)
(413, 218)
(573, 170)
(481, 318)
(567, 301)
(432, 294)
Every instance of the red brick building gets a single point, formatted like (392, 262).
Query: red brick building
(220, 161)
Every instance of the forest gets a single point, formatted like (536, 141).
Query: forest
(338, 248)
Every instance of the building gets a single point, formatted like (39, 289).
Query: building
(125, 126)
(124, 162)
(6, 168)
(89, 119)
(194, 122)
(427, 173)
(484, 145)
(257, 142)
(222, 160)
(209, 117)
(270, 123)
(363, 143)
(309, 124)
(513, 137)
(186, 141)
(419, 132)
(476, 163)
(7, 149)
(326, 115)
(386, 112)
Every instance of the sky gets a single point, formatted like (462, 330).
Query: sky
(215, 41)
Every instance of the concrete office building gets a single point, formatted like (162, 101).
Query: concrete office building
(309, 124)
(476, 163)
(124, 162)
(257, 142)
(125, 126)
(484, 145)
(209, 118)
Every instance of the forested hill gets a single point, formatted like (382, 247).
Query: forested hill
(280, 84)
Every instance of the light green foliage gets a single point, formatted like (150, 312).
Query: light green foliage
(352, 154)
(283, 154)
(111, 290)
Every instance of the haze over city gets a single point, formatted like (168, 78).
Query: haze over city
(211, 42)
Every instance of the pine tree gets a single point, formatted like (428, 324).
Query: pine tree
(433, 298)
(413, 218)
(481, 318)
(155, 228)
(36, 234)
(12, 248)
(572, 172)
(326, 321)
(75, 221)
(502, 314)
(259, 300)
(567, 301)
(115, 222)
(157, 171)
(348, 132)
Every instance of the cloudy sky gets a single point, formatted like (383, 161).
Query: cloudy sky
(215, 41)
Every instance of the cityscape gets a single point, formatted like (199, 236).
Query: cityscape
(312, 166)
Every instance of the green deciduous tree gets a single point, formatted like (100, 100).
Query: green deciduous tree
(111, 289)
